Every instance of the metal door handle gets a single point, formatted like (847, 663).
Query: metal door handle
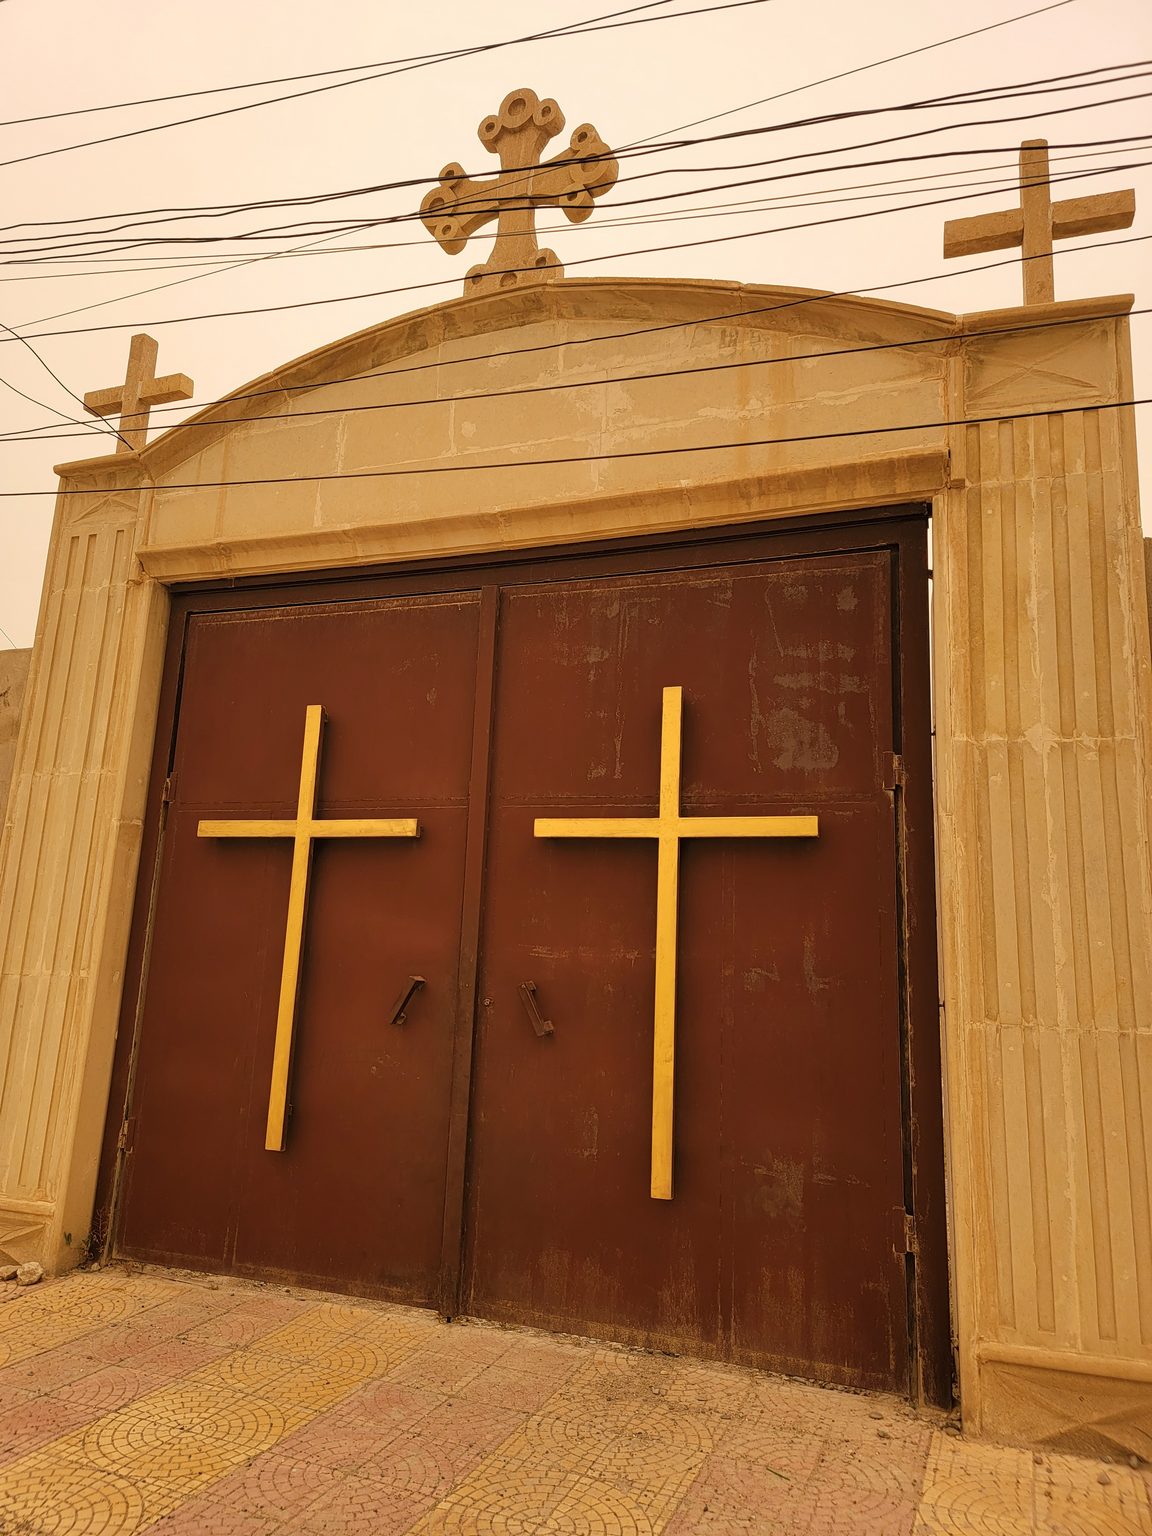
(400, 1008)
(542, 1026)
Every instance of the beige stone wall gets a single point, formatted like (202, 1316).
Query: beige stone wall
(13, 681)
(1042, 695)
(67, 866)
(1043, 714)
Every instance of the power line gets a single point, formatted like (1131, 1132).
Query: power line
(743, 313)
(1041, 85)
(314, 74)
(563, 386)
(573, 29)
(805, 155)
(860, 69)
(16, 336)
(581, 261)
(89, 426)
(624, 453)
(500, 203)
(175, 262)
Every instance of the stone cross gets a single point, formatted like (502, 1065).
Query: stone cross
(460, 205)
(140, 391)
(1037, 222)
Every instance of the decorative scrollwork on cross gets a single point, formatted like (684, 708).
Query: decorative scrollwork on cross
(462, 204)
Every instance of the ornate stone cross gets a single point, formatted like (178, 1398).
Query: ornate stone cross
(668, 828)
(460, 205)
(303, 831)
(140, 391)
(1037, 222)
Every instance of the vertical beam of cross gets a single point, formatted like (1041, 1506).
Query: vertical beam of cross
(303, 831)
(140, 391)
(1037, 222)
(669, 828)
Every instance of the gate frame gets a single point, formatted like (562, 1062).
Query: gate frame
(901, 531)
(1012, 422)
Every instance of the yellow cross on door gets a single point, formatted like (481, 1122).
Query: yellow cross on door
(303, 831)
(668, 827)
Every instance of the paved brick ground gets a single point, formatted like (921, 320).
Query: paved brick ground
(147, 1402)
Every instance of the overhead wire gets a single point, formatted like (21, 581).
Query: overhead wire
(965, 96)
(613, 212)
(580, 261)
(891, 58)
(1042, 85)
(572, 29)
(103, 427)
(249, 85)
(177, 262)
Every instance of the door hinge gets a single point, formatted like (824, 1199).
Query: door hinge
(127, 1131)
(893, 771)
(169, 793)
(904, 1230)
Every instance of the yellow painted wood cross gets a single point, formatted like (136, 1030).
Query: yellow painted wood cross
(303, 831)
(668, 828)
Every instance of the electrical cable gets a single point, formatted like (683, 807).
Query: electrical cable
(805, 155)
(572, 29)
(624, 453)
(75, 421)
(1040, 85)
(176, 262)
(615, 217)
(860, 69)
(580, 261)
(314, 74)
(108, 430)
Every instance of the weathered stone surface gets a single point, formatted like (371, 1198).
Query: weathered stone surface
(13, 681)
(8, 1271)
(29, 1274)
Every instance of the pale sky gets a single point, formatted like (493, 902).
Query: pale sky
(632, 83)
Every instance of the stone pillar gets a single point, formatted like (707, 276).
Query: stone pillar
(1043, 721)
(67, 858)
(13, 681)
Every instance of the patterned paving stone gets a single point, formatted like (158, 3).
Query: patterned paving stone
(133, 1403)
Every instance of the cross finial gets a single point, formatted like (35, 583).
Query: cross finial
(518, 133)
(1037, 222)
(140, 391)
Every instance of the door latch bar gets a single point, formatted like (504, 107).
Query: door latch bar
(400, 1007)
(541, 1025)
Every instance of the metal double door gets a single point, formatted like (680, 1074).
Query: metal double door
(470, 1113)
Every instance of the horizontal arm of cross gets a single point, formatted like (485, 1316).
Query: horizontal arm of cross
(106, 402)
(984, 232)
(404, 827)
(1093, 215)
(681, 826)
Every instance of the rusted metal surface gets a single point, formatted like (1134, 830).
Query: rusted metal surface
(357, 1197)
(780, 1246)
(463, 1158)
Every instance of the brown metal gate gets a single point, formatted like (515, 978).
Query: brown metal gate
(494, 1152)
